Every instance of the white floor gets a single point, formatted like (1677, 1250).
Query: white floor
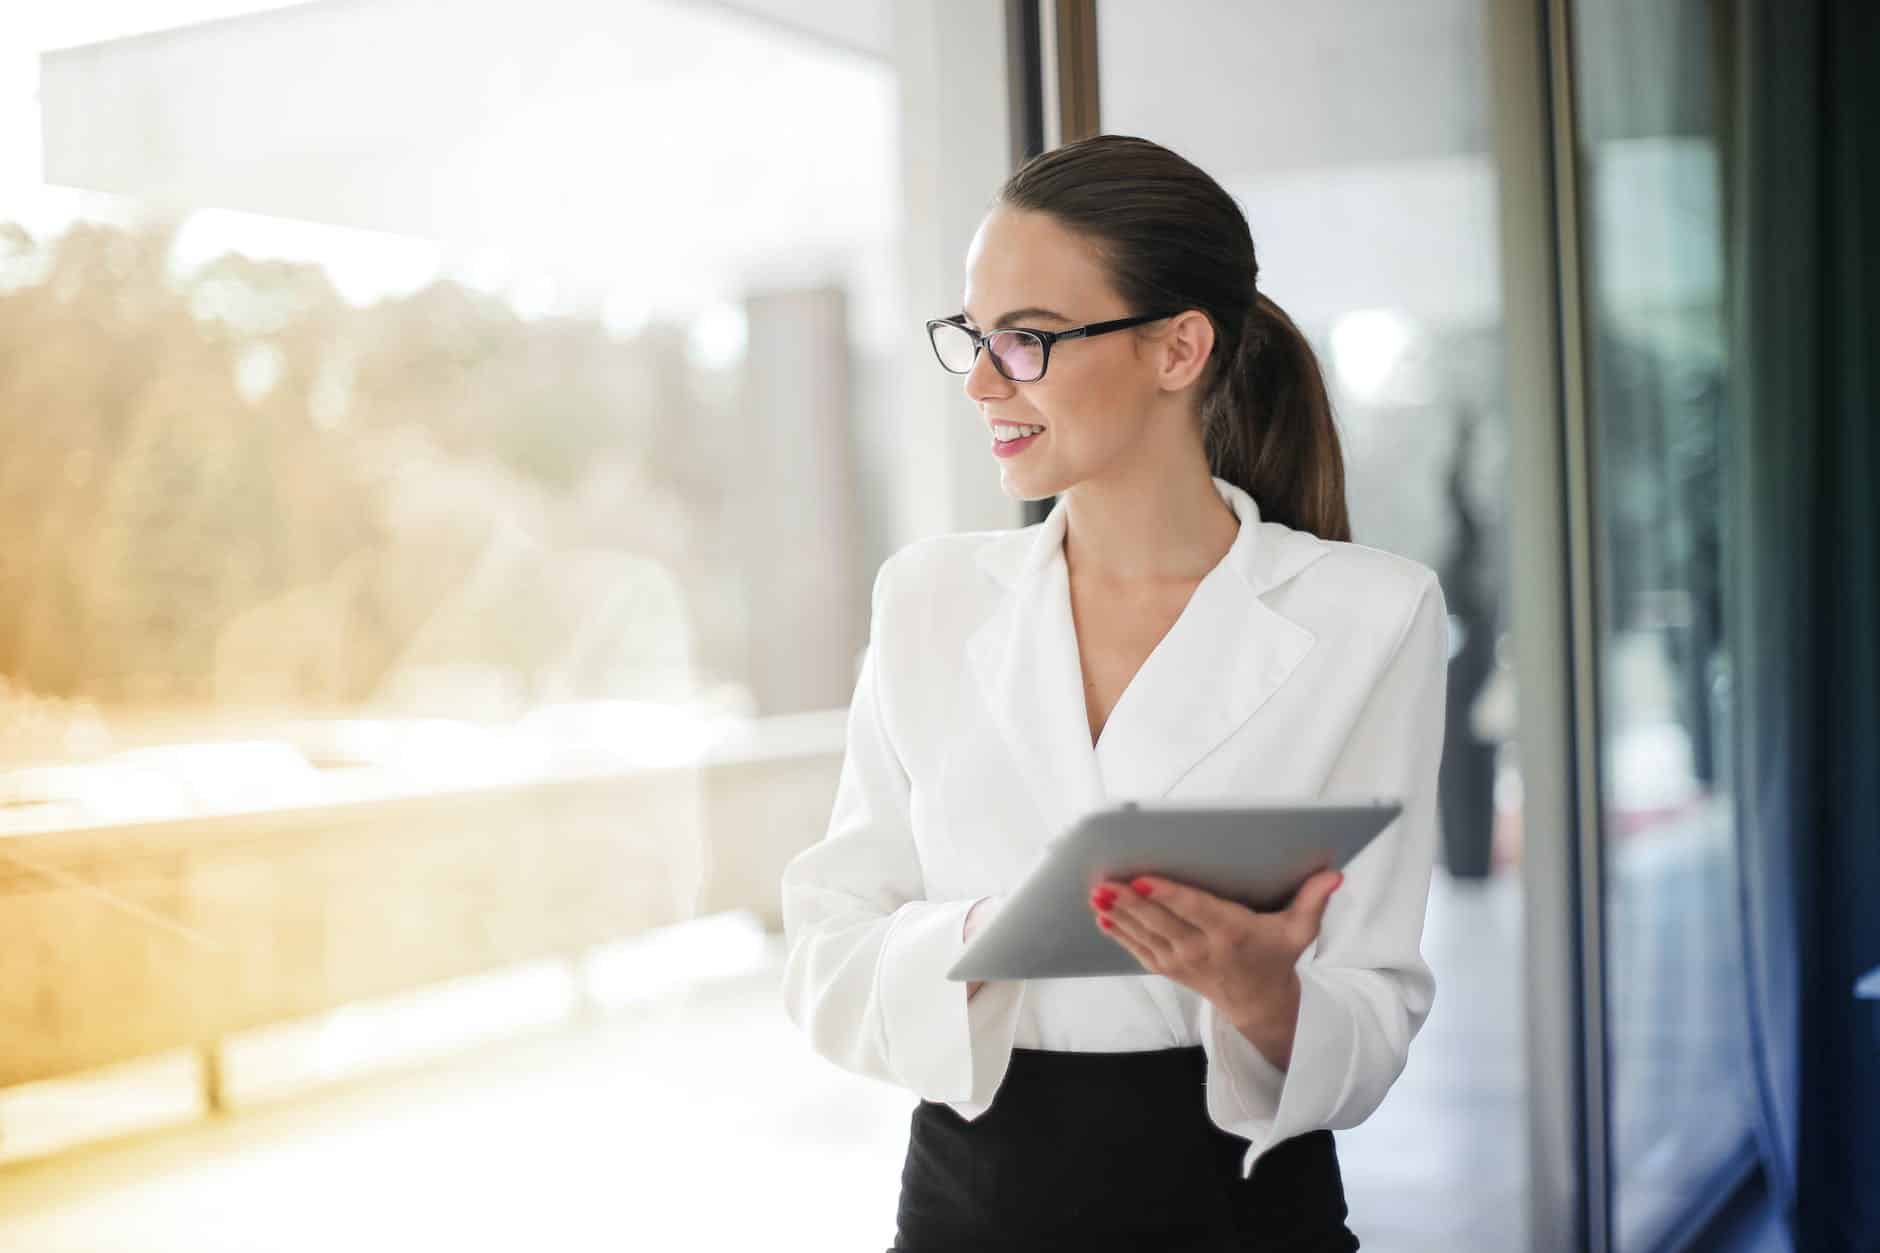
(702, 1125)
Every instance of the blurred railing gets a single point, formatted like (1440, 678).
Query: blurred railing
(121, 942)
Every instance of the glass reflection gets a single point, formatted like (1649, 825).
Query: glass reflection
(1678, 1074)
(437, 526)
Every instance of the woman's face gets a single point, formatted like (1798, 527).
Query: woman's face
(1116, 400)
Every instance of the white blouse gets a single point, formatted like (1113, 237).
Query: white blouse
(1300, 668)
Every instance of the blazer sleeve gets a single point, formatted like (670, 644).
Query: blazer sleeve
(867, 953)
(1365, 989)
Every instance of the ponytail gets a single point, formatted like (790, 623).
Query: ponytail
(1267, 426)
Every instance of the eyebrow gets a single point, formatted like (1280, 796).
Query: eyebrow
(1030, 311)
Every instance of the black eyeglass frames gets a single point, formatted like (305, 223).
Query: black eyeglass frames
(1018, 353)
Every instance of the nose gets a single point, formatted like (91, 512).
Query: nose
(984, 382)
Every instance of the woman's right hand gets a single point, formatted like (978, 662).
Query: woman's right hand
(976, 919)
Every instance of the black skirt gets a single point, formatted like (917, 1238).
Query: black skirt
(1111, 1151)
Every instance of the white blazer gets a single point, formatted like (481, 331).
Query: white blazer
(1300, 668)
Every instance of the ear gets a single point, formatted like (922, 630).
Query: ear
(1184, 341)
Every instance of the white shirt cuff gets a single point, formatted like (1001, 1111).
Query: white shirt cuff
(939, 1045)
(1254, 1099)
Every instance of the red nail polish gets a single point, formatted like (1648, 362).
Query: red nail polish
(1105, 923)
(1104, 901)
(1141, 885)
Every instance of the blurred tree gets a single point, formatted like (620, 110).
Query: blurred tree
(235, 486)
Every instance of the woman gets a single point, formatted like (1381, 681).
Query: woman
(1190, 621)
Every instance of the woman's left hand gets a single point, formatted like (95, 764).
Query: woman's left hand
(1240, 959)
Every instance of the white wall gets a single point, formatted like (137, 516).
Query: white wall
(949, 58)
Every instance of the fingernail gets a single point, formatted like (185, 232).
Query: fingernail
(1105, 923)
(1103, 899)
(1141, 885)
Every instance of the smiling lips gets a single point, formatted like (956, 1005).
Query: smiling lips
(1012, 447)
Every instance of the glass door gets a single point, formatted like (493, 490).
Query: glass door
(1679, 1086)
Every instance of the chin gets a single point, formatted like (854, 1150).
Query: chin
(1028, 489)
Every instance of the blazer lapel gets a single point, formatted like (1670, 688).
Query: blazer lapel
(1223, 658)
(1219, 662)
(1024, 663)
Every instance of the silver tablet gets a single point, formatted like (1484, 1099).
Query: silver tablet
(1257, 856)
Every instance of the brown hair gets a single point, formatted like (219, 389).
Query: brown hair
(1172, 238)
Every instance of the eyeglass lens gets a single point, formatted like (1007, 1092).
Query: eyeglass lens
(1018, 356)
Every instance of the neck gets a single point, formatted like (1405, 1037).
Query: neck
(1146, 531)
